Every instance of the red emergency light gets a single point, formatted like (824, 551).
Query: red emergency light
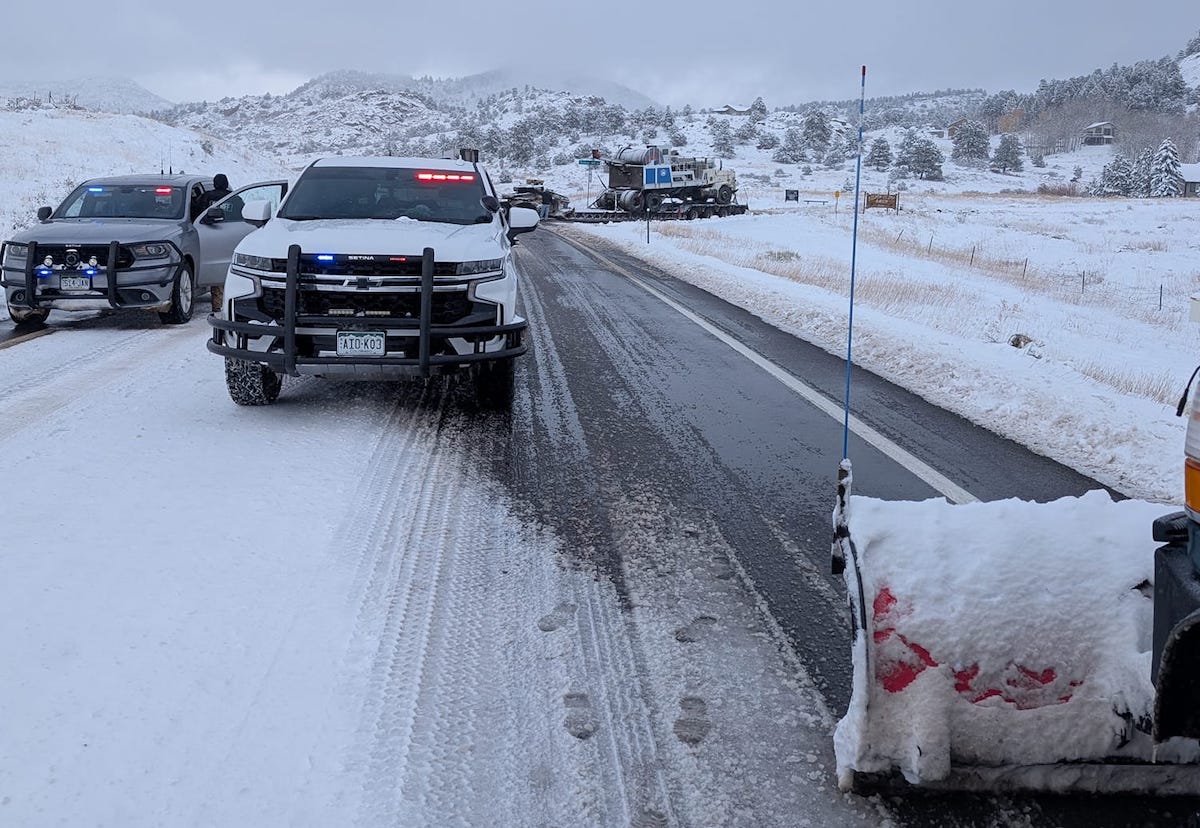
(431, 176)
(162, 190)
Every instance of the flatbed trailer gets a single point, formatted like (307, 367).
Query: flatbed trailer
(668, 212)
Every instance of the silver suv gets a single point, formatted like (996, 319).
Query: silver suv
(145, 242)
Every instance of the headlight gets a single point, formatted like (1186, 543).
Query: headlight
(252, 262)
(150, 251)
(237, 286)
(481, 266)
(15, 252)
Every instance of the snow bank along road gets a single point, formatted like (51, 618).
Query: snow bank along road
(375, 605)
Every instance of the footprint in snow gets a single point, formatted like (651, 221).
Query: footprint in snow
(693, 632)
(649, 818)
(561, 615)
(580, 721)
(693, 725)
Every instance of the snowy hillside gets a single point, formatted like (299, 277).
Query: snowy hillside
(468, 90)
(99, 94)
(44, 153)
(315, 119)
(1189, 67)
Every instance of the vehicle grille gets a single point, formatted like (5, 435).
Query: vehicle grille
(350, 266)
(84, 252)
(449, 307)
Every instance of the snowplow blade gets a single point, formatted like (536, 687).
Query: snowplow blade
(1003, 646)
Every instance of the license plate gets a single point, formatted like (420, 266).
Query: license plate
(74, 283)
(361, 343)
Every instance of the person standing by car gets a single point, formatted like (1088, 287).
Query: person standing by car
(220, 189)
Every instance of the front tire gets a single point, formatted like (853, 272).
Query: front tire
(724, 194)
(494, 383)
(183, 298)
(27, 316)
(251, 383)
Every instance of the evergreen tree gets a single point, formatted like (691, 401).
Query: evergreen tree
(817, 131)
(880, 156)
(1116, 179)
(1166, 179)
(791, 151)
(970, 144)
(747, 132)
(767, 140)
(1142, 169)
(1008, 154)
(920, 157)
(758, 110)
(1192, 48)
(722, 139)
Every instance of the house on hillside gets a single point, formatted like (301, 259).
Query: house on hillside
(1191, 179)
(952, 129)
(1096, 135)
(732, 109)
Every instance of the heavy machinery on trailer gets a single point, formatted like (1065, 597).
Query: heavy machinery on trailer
(668, 186)
(1018, 646)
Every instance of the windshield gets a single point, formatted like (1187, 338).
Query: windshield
(387, 193)
(144, 201)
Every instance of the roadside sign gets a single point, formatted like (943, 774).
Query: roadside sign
(791, 195)
(588, 162)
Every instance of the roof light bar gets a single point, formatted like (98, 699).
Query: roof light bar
(432, 176)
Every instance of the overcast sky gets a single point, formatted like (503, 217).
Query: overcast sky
(713, 51)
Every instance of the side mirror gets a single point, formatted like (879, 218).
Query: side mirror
(212, 215)
(44, 213)
(521, 220)
(490, 203)
(257, 213)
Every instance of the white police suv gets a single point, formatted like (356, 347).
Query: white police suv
(375, 268)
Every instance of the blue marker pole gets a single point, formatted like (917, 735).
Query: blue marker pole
(853, 263)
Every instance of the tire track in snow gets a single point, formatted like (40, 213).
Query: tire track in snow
(67, 386)
(610, 663)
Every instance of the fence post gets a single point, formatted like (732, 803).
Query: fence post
(930, 248)
(1160, 295)
(1024, 267)
(972, 264)
(1083, 281)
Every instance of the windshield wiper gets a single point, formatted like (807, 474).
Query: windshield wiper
(303, 218)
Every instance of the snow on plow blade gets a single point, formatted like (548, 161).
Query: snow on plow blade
(1003, 646)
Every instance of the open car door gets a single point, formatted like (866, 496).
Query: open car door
(221, 227)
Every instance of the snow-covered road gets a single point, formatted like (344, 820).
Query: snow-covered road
(331, 612)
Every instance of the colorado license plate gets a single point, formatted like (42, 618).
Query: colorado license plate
(74, 283)
(361, 343)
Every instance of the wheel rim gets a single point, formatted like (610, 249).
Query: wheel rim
(185, 292)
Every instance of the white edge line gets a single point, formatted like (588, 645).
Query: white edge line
(936, 480)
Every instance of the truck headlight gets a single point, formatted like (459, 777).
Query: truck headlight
(252, 262)
(480, 266)
(150, 251)
(238, 286)
(15, 253)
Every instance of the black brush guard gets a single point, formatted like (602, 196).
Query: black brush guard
(1176, 665)
(111, 271)
(287, 360)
